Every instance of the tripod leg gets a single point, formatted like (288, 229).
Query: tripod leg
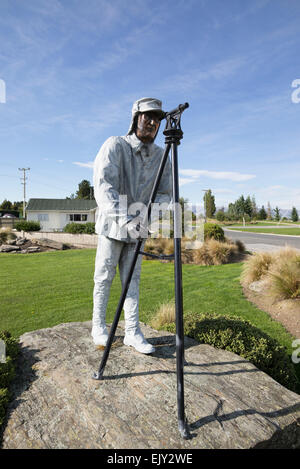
(99, 374)
(182, 425)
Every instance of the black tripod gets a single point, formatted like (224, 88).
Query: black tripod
(173, 135)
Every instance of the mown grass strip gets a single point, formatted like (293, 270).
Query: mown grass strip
(283, 231)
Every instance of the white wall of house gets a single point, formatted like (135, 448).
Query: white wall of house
(56, 220)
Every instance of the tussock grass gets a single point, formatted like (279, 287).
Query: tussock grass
(164, 315)
(256, 266)
(6, 235)
(214, 252)
(281, 269)
(285, 275)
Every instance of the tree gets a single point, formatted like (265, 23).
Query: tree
(209, 204)
(17, 206)
(262, 214)
(240, 206)
(85, 191)
(220, 215)
(294, 214)
(231, 213)
(6, 205)
(269, 212)
(277, 214)
(248, 206)
(254, 207)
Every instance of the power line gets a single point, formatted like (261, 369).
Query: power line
(24, 184)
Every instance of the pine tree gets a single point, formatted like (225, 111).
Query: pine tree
(294, 214)
(248, 206)
(209, 204)
(262, 214)
(277, 214)
(85, 190)
(6, 205)
(254, 207)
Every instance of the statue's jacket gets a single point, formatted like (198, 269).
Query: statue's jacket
(124, 173)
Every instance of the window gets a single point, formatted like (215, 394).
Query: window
(43, 217)
(78, 217)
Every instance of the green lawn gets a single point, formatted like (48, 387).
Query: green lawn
(284, 231)
(261, 223)
(44, 289)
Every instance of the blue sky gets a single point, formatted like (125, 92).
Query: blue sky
(72, 70)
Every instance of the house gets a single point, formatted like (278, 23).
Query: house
(55, 214)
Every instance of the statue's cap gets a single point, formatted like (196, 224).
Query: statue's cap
(145, 105)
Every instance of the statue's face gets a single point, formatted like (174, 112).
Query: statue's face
(147, 126)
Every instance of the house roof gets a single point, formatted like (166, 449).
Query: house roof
(60, 204)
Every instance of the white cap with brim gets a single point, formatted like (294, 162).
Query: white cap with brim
(145, 105)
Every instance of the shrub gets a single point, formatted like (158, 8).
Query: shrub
(90, 228)
(220, 215)
(7, 371)
(77, 228)
(285, 275)
(214, 252)
(211, 230)
(159, 246)
(256, 266)
(240, 246)
(164, 315)
(242, 338)
(281, 269)
(25, 225)
(6, 235)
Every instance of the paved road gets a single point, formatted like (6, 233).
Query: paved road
(263, 242)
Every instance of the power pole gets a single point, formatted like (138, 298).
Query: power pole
(24, 184)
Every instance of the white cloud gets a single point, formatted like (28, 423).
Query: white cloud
(228, 175)
(89, 164)
(278, 195)
(186, 82)
(183, 181)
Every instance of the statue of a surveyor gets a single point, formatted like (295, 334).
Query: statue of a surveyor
(126, 167)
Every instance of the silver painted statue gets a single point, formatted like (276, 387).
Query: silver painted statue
(124, 174)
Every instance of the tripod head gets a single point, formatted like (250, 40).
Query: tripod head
(173, 130)
(178, 110)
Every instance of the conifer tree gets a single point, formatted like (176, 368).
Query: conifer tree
(294, 214)
(277, 214)
(209, 204)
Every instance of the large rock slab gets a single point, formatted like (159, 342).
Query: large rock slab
(9, 248)
(50, 243)
(229, 403)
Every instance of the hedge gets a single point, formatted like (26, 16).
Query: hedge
(75, 228)
(7, 371)
(27, 225)
(242, 338)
